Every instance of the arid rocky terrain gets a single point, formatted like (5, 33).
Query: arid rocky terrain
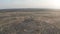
(29, 22)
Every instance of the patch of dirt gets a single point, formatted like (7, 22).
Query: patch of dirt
(29, 26)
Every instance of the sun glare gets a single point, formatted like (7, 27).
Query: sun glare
(56, 4)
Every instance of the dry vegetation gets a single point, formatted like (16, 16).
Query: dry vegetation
(29, 22)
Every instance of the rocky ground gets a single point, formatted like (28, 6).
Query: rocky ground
(29, 26)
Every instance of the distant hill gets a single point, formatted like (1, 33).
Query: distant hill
(24, 10)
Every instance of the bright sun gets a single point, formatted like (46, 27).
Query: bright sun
(56, 3)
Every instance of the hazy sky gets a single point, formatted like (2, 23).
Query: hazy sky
(30, 4)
